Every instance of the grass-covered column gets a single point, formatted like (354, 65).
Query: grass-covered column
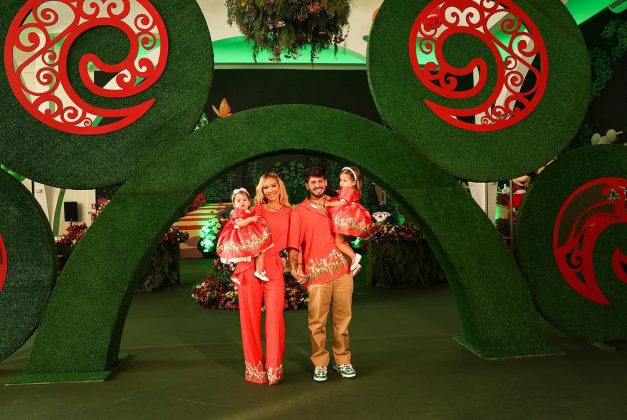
(86, 315)
(27, 264)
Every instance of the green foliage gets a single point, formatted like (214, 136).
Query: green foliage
(220, 190)
(162, 272)
(404, 264)
(583, 136)
(603, 56)
(286, 26)
(209, 236)
(254, 170)
(292, 174)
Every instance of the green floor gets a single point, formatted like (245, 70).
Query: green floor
(186, 362)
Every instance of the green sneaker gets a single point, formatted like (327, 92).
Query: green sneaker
(346, 370)
(320, 374)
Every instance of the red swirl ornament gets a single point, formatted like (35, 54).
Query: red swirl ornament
(590, 210)
(36, 51)
(515, 44)
(4, 263)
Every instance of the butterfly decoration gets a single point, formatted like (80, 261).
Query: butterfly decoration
(224, 110)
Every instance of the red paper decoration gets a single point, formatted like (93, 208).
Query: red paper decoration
(42, 34)
(520, 42)
(4, 263)
(576, 231)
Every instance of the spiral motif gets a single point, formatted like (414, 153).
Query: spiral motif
(4, 263)
(514, 48)
(43, 33)
(576, 231)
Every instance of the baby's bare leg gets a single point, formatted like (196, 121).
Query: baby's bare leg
(259, 263)
(343, 246)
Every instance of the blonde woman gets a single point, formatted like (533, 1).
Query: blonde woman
(273, 205)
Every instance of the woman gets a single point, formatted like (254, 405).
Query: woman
(271, 203)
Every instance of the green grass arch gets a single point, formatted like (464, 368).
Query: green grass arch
(84, 320)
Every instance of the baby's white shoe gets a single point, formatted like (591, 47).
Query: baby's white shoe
(356, 270)
(261, 275)
(355, 262)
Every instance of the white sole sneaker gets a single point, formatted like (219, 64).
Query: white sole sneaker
(343, 374)
(322, 377)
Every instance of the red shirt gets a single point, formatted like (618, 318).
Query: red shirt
(310, 233)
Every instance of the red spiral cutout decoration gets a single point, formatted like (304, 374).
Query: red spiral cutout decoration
(36, 51)
(519, 85)
(590, 210)
(4, 263)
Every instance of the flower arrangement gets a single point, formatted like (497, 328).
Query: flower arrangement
(382, 231)
(174, 236)
(198, 202)
(217, 291)
(209, 235)
(101, 203)
(281, 26)
(73, 235)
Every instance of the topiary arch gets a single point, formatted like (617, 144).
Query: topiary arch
(495, 306)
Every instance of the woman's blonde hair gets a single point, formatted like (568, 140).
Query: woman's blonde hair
(355, 174)
(259, 197)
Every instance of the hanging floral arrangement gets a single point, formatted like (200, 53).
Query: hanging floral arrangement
(286, 26)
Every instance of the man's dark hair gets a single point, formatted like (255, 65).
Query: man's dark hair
(314, 171)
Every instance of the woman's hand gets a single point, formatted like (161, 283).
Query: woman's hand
(300, 276)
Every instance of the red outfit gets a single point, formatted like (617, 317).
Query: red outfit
(238, 244)
(351, 219)
(311, 235)
(329, 283)
(253, 293)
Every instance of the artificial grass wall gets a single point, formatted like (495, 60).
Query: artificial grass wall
(482, 156)
(86, 313)
(84, 162)
(558, 302)
(31, 258)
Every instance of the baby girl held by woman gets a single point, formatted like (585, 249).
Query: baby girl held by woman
(348, 216)
(245, 237)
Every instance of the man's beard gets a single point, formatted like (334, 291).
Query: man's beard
(314, 195)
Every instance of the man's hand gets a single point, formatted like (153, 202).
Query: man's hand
(300, 277)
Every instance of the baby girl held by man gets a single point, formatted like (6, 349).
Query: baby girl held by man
(348, 216)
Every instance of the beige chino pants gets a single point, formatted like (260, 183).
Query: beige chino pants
(335, 296)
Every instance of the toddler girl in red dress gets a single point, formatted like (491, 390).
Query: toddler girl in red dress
(245, 236)
(348, 217)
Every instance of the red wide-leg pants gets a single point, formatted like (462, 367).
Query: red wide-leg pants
(252, 294)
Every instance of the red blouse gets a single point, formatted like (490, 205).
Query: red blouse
(310, 233)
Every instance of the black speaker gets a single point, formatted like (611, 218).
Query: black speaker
(70, 208)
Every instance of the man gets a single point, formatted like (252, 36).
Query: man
(314, 259)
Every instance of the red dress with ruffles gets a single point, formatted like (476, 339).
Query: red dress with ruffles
(237, 244)
(351, 219)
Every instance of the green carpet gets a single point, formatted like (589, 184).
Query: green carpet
(186, 361)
